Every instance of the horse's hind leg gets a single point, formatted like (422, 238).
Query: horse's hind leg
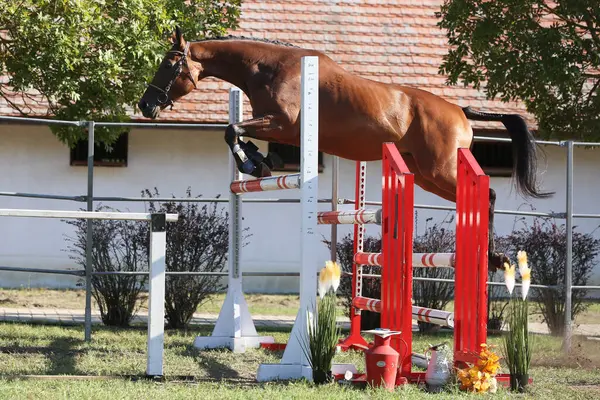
(495, 260)
(246, 155)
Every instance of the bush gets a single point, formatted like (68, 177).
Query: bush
(117, 246)
(197, 242)
(545, 244)
(436, 295)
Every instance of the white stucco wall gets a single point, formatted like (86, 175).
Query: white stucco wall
(33, 160)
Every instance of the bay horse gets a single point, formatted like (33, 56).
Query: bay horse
(356, 115)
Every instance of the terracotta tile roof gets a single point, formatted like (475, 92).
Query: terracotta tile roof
(386, 40)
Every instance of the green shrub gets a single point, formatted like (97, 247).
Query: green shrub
(197, 242)
(118, 245)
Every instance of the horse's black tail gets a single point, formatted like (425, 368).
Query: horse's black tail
(524, 151)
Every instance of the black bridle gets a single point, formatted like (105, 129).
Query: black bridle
(163, 97)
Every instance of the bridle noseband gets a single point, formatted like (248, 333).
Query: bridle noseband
(163, 97)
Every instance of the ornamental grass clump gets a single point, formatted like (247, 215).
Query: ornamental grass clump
(517, 341)
(323, 333)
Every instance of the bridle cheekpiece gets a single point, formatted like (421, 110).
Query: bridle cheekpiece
(163, 97)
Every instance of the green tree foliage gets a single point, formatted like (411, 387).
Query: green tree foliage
(543, 53)
(91, 59)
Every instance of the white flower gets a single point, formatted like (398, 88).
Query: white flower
(509, 277)
(525, 272)
(493, 385)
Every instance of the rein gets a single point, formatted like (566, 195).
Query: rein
(163, 97)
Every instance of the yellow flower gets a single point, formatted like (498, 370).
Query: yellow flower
(329, 277)
(488, 361)
(324, 280)
(336, 274)
(465, 379)
(522, 259)
(509, 277)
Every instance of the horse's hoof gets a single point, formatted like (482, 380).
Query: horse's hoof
(274, 161)
(262, 171)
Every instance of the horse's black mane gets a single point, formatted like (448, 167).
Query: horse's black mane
(231, 37)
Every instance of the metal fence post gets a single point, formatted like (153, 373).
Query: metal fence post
(335, 167)
(89, 234)
(569, 260)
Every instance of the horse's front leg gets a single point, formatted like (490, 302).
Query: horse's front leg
(247, 157)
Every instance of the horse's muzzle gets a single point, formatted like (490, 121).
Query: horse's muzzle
(148, 111)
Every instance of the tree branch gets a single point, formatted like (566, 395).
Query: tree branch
(593, 30)
(593, 90)
(590, 23)
(12, 103)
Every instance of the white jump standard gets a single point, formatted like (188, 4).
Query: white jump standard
(234, 328)
(294, 364)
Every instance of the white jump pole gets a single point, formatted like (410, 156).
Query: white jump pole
(234, 328)
(294, 364)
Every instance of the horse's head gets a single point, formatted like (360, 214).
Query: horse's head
(173, 79)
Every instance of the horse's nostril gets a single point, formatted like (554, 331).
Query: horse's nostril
(142, 104)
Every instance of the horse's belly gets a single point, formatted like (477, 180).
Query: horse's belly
(359, 145)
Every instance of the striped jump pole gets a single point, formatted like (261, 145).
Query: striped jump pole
(427, 260)
(434, 260)
(371, 259)
(266, 184)
(438, 317)
(360, 217)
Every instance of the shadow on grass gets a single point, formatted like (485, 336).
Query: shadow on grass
(62, 354)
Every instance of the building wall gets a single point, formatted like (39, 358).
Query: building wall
(33, 160)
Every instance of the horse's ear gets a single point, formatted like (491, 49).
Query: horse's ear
(178, 34)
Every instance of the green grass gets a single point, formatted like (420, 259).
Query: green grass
(121, 354)
(258, 304)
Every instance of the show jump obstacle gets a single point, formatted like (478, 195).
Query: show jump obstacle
(397, 260)
(235, 329)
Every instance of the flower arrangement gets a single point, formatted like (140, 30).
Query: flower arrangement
(481, 377)
(323, 332)
(517, 340)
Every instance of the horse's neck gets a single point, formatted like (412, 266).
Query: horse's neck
(226, 61)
